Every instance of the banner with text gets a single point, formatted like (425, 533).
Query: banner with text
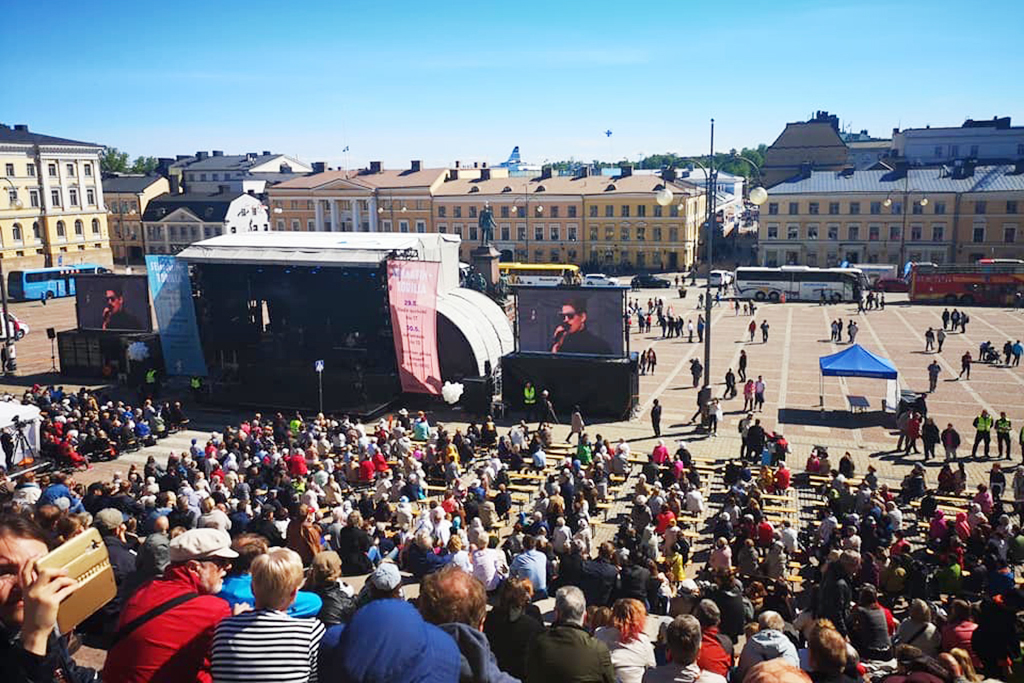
(171, 292)
(412, 295)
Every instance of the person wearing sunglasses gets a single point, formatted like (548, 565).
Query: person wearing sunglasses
(115, 317)
(572, 335)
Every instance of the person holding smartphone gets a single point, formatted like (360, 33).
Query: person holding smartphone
(30, 649)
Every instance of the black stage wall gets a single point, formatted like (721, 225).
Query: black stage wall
(600, 387)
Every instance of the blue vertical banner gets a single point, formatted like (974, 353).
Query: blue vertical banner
(171, 291)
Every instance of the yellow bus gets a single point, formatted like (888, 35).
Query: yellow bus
(540, 274)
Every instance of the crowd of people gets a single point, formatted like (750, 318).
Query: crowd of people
(234, 559)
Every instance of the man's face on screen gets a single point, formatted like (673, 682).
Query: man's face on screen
(572, 319)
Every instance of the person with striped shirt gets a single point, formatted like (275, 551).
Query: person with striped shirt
(266, 644)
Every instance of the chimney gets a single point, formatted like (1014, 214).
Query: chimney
(483, 164)
(173, 181)
(457, 162)
(545, 173)
(485, 174)
(374, 167)
(626, 170)
(319, 166)
(202, 155)
(23, 127)
(476, 164)
(416, 165)
(266, 153)
(180, 157)
(218, 152)
(250, 156)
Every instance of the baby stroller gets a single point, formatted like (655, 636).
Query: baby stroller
(987, 353)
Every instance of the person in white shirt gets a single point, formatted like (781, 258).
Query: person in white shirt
(895, 515)
(788, 536)
(694, 501)
(489, 565)
(560, 537)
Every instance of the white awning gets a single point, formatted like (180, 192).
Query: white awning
(481, 321)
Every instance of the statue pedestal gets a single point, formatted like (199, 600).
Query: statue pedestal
(485, 260)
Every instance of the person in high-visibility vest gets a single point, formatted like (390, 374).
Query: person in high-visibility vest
(151, 383)
(196, 385)
(1003, 429)
(983, 427)
(530, 400)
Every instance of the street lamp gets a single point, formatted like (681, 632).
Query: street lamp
(9, 363)
(922, 202)
(539, 209)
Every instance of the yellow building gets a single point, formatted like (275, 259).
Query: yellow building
(586, 219)
(127, 196)
(52, 212)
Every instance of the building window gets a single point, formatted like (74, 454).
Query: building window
(280, 224)
(833, 232)
(624, 235)
(593, 234)
(90, 197)
(1009, 234)
(940, 208)
(295, 224)
(52, 170)
(918, 209)
(894, 233)
(556, 255)
(520, 232)
(504, 212)
(773, 208)
(812, 232)
(33, 198)
(311, 225)
(609, 211)
(874, 232)
(854, 208)
(472, 212)
(473, 233)
(61, 231)
(979, 208)
(71, 170)
(625, 211)
(974, 151)
(421, 227)
(9, 170)
(458, 211)
(554, 212)
(506, 233)
(36, 234)
(896, 209)
(403, 226)
(553, 230)
(954, 151)
(673, 234)
(656, 234)
(641, 211)
(593, 211)
(773, 232)
(938, 150)
(833, 208)
(570, 211)
(794, 208)
(520, 212)
(442, 212)
(1011, 206)
(12, 196)
(979, 235)
(812, 208)
(55, 197)
(385, 226)
(657, 211)
(853, 232)
(571, 233)
(16, 232)
(95, 226)
(673, 211)
(641, 234)
(538, 233)
(937, 233)
(876, 208)
(915, 233)
(30, 170)
(793, 232)
(73, 196)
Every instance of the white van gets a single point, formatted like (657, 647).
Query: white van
(720, 278)
(598, 280)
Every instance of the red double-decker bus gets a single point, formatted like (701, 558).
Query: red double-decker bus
(992, 282)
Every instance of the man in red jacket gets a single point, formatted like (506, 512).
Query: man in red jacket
(715, 648)
(166, 627)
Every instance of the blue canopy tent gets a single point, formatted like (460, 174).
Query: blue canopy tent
(856, 361)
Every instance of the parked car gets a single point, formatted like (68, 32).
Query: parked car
(598, 280)
(18, 327)
(648, 281)
(720, 278)
(891, 284)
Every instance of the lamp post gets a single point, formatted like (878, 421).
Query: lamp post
(9, 363)
(923, 201)
(526, 215)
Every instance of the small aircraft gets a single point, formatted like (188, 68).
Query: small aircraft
(515, 162)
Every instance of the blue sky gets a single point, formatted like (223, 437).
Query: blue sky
(468, 80)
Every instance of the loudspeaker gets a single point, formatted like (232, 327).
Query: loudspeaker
(51, 333)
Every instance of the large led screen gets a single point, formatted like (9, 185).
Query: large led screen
(113, 303)
(579, 320)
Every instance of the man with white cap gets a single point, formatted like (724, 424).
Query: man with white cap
(166, 627)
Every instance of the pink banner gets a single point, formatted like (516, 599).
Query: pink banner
(412, 294)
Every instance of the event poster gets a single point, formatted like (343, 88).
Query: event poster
(171, 290)
(571, 320)
(412, 295)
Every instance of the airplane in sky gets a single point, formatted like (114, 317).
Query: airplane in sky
(515, 162)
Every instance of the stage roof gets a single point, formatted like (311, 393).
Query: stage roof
(341, 249)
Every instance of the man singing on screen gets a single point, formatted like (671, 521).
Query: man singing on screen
(572, 336)
(115, 317)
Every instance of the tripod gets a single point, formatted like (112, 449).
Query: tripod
(21, 443)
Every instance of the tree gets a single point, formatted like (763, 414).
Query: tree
(113, 160)
(144, 165)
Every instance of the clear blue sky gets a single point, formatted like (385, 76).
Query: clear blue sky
(468, 80)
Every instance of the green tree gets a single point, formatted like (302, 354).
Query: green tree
(144, 165)
(113, 160)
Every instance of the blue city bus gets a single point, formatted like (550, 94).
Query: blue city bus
(40, 283)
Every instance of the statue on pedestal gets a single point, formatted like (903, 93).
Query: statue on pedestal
(486, 225)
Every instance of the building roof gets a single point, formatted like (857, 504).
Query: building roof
(20, 135)
(807, 134)
(384, 179)
(996, 178)
(240, 162)
(208, 207)
(133, 183)
(562, 185)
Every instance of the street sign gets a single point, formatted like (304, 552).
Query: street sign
(319, 366)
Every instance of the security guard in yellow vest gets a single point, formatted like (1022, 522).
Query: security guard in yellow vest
(196, 385)
(983, 427)
(151, 385)
(1003, 429)
(530, 400)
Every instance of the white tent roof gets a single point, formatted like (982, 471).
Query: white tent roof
(481, 321)
(11, 409)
